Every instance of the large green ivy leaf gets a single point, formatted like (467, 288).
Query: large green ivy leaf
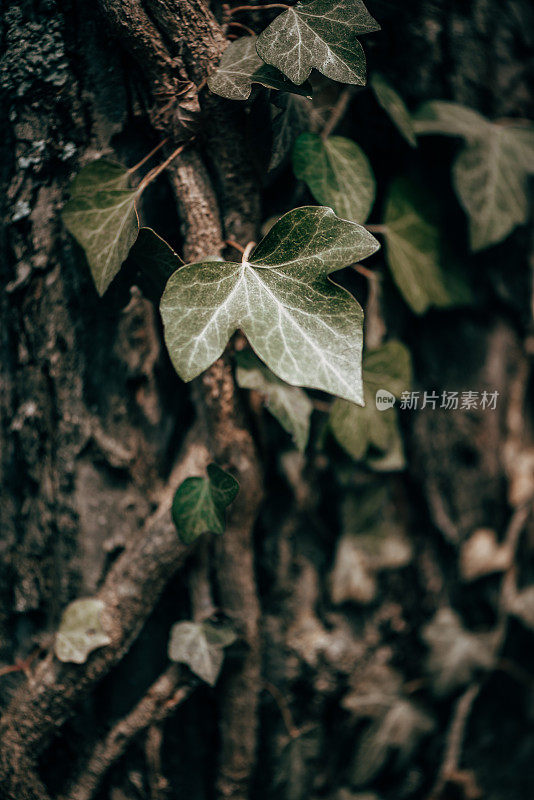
(320, 34)
(290, 405)
(305, 328)
(368, 431)
(413, 249)
(101, 216)
(80, 631)
(201, 646)
(241, 66)
(337, 173)
(490, 174)
(199, 503)
(394, 106)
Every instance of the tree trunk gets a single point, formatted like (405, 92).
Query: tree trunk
(97, 431)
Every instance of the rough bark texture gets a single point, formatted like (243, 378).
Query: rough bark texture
(96, 432)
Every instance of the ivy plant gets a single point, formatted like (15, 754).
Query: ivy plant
(304, 330)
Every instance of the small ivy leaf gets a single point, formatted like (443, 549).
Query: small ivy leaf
(305, 328)
(290, 405)
(241, 66)
(201, 646)
(337, 173)
(398, 732)
(290, 118)
(490, 174)
(80, 631)
(199, 503)
(98, 176)
(394, 106)
(455, 653)
(319, 34)
(104, 222)
(360, 430)
(154, 261)
(413, 249)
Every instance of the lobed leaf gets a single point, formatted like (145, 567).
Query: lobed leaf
(413, 249)
(290, 405)
(102, 218)
(337, 173)
(305, 328)
(394, 106)
(80, 631)
(201, 646)
(241, 66)
(362, 432)
(321, 34)
(199, 503)
(490, 174)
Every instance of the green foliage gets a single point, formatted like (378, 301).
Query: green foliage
(490, 173)
(413, 249)
(394, 106)
(290, 405)
(337, 173)
(319, 34)
(201, 646)
(80, 631)
(368, 432)
(241, 66)
(101, 216)
(199, 503)
(304, 327)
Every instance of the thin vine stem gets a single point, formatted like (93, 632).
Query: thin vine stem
(376, 228)
(242, 27)
(153, 174)
(338, 111)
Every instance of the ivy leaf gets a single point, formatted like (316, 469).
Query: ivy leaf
(199, 503)
(456, 654)
(492, 185)
(241, 66)
(80, 631)
(201, 646)
(359, 430)
(320, 34)
(305, 328)
(490, 174)
(413, 249)
(337, 173)
(290, 405)
(398, 732)
(103, 219)
(393, 104)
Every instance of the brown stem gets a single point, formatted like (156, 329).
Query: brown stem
(242, 27)
(238, 9)
(338, 111)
